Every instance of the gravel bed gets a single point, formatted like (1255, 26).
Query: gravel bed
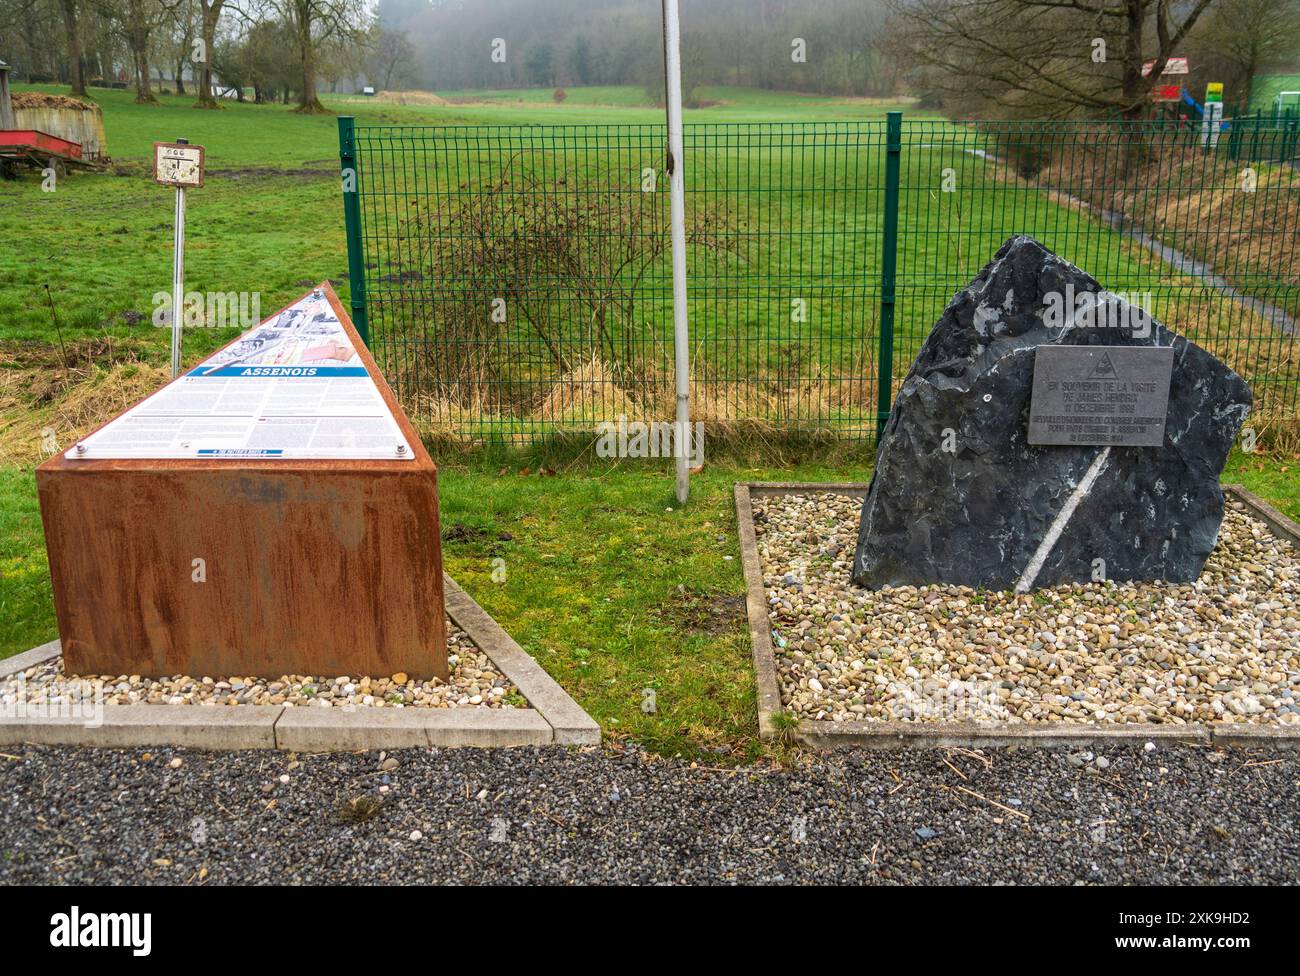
(1127, 815)
(475, 683)
(1223, 649)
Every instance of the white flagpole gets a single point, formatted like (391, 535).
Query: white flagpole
(676, 187)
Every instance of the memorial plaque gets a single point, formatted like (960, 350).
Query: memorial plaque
(270, 512)
(989, 508)
(1103, 395)
(294, 387)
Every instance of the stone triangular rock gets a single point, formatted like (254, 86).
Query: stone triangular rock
(972, 506)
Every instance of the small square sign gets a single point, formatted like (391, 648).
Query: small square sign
(177, 164)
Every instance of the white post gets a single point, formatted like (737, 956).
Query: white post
(676, 187)
(178, 280)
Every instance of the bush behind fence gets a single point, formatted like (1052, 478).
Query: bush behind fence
(516, 279)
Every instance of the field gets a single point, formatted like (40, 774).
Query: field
(781, 209)
(609, 584)
(103, 243)
(1267, 87)
(778, 215)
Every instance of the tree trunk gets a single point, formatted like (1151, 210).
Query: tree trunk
(72, 32)
(308, 102)
(211, 10)
(180, 75)
(140, 54)
(1132, 82)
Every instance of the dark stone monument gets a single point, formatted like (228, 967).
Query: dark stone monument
(1049, 432)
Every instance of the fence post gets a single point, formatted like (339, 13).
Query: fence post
(352, 223)
(888, 267)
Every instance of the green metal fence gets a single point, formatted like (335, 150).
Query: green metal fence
(515, 280)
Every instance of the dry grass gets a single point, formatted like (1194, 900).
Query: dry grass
(37, 401)
(410, 98)
(1194, 203)
(589, 394)
(594, 393)
(359, 809)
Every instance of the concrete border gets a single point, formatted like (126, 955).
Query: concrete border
(571, 724)
(318, 730)
(1282, 526)
(29, 659)
(760, 625)
(971, 735)
(553, 717)
(126, 726)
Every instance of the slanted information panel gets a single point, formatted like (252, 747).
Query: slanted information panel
(294, 387)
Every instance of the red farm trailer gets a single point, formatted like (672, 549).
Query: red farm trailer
(39, 149)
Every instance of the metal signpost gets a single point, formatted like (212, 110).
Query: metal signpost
(180, 165)
(676, 188)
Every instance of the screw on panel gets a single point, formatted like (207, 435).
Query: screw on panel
(401, 449)
(81, 448)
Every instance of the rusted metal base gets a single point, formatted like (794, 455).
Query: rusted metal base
(308, 567)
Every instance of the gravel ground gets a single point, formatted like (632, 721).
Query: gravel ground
(474, 683)
(1128, 815)
(1225, 648)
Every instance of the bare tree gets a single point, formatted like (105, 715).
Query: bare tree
(391, 53)
(1046, 57)
(1247, 37)
(312, 22)
(209, 17)
(72, 37)
(182, 36)
(136, 21)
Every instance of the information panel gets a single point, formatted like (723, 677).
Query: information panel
(294, 387)
(1102, 395)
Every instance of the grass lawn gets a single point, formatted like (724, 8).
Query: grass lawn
(608, 588)
(269, 216)
(609, 584)
(801, 213)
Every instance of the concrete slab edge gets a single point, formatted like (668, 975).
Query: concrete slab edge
(571, 724)
(912, 735)
(292, 728)
(553, 718)
(321, 730)
(29, 659)
(1282, 526)
(128, 726)
(760, 627)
